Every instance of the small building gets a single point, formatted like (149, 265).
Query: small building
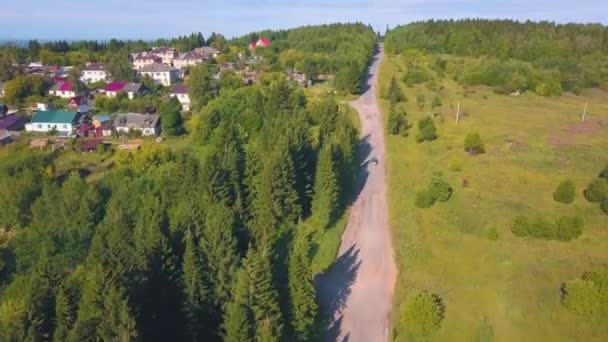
(46, 121)
(89, 146)
(63, 89)
(187, 59)
(12, 122)
(147, 124)
(166, 54)
(160, 74)
(181, 93)
(131, 89)
(94, 72)
(207, 51)
(299, 78)
(100, 120)
(263, 42)
(144, 59)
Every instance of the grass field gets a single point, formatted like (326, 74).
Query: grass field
(507, 289)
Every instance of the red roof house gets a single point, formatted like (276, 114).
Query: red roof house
(115, 87)
(262, 42)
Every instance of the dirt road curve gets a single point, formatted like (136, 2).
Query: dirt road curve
(357, 292)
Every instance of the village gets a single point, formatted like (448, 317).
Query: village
(72, 109)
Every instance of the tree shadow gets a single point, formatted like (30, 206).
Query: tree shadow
(333, 290)
(364, 152)
(366, 83)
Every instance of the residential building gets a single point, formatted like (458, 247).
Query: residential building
(63, 89)
(145, 59)
(94, 72)
(187, 59)
(260, 43)
(167, 55)
(207, 51)
(46, 121)
(160, 74)
(299, 78)
(131, 89)
(147, 124)
(100, 120)
(181, 93)
(12, 122)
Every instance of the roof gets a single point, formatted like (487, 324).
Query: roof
(89, 145)
(207, 50)
(9, 121)
(54, 116)
(102, 118)
(263, 42)
(143, 57)
(189, 55)
(76, 100)
(132, 87)
(62, 86)
(179, 89)
(134, 120)
(156, 68)
(95, 67)
(115, 86)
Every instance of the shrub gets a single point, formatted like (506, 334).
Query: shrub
(439, 188)
(587, 295)
(456, 165)
(565, 192)
(421, 315)
(436, 102)
(473, 144)
(604, 173)
(597, 190)
(420, 100)
(428, 132)
(568, 228)
(424, 199)
(565, 228)
(492, 234)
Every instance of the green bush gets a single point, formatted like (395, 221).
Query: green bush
(597, 191)
(565, 192)
(473, 144)
(587, 295)
(421, 315)
(492, 234)
(604, 173)
(428, 132)
(565, 228)
(424, 199)
(436, 102)
(439, 188)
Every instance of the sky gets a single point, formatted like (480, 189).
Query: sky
(148, 19)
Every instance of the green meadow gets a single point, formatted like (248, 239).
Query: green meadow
(495, 286)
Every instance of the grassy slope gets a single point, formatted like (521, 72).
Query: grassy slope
(511, 284)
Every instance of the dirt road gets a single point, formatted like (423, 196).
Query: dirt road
(357, 291)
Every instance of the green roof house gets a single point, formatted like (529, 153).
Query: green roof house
(45, 121)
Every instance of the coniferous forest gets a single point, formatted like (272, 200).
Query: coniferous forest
(205, 243)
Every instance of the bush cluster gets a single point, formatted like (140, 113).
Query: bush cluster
(565, 192)
(587, 295)
(427, 129)
(565, 228)
(597, 190)
(438, 190)
(421, 315)
(473, 144)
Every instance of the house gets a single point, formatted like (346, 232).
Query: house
(181, 93)
(207, 51)
(12, 122)
(187, 59)
(167, 55)
(147, 124)
(100, 120)
(94, 72)
(131, 89)
(145, 59)
(46, 121)
(63, 89)
(89, 130)
(299, 78)
(160, 74)
(261, 43)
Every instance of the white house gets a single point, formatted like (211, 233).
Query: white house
(45, 121)
(160, 73)
(147, 124)
(63, 89)
(145, 59)
(94, 72)
(181, 93)
(167, 55)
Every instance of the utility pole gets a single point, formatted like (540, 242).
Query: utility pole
(458, 113)
(585, 111)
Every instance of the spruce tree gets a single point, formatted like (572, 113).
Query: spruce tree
(90, 307)
(64, 314)
(301, 290)
(395, 94)
(238, 323)
(117, 323)
(193, 288)
(326, 190)
(40, 301)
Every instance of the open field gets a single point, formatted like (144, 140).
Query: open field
(507, 289)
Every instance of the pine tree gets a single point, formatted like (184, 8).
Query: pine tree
(64, 314)
(301, 290)
(265, 332)
(262, 293)
(90, 307)
(326, 190)
(40, 301)
(395, 94)
(117, 323)
(238, 323)
(193, 288)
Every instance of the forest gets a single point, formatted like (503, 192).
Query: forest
(543, 57)
(208, 242)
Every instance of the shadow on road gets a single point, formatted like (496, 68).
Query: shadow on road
(365, 83)
(333, 289)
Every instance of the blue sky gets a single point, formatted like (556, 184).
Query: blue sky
(46, 19)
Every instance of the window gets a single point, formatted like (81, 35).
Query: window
(39, 126)
(65, 126)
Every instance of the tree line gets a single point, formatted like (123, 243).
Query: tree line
(180, 245)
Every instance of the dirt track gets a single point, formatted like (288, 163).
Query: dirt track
(357, 291)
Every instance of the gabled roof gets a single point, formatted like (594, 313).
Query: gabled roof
(263, 42)
(102, 118)
(54, 116)
(6, 122)
(132, 87)
(115, 86)
(62, 86)
(156, 68)
(95, 67)
(134, 120)
(179, 89)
